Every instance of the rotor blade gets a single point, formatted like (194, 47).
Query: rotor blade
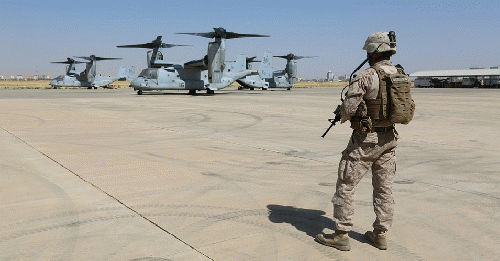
(302, 57)
(291, 56)
(252, 59)
(206, 35)
(231, 35)
(103, 58)
(151, 45)
(83, 57)
(96, 58)
(173, 45)
(67, 62)
(148, 46)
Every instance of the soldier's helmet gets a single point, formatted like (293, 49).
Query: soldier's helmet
(381, 42)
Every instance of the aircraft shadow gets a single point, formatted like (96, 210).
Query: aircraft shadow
(180, 94)
(309, 221)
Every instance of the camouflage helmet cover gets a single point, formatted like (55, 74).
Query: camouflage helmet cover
(381, 41)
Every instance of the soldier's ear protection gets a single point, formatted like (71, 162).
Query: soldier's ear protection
(392, 39)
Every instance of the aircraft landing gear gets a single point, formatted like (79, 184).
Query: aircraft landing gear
(251, 88)
(139, 92)
(210, 91)
(288, 89)
(192, 92)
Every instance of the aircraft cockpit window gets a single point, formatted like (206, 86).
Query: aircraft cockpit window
(149, 73)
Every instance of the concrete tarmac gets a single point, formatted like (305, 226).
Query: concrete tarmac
(240, 175)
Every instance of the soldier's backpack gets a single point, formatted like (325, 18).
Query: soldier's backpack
(394, 102)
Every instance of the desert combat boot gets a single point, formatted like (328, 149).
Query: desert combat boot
(338, 240)
(377, 239)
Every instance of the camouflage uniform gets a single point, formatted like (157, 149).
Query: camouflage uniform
(375, 150)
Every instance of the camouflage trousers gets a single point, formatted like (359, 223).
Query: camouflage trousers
(375, 151)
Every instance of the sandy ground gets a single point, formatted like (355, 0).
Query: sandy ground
(240, 175)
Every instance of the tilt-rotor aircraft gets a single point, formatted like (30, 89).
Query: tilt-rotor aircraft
(268, 78)
(155, 56)
(88, 78)
(208, 73)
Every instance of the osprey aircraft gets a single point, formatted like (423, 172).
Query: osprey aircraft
(268, 78)
(88, 78)
(209, 73)
(155, 56)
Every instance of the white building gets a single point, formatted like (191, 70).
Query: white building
(458, 78)
(330, 76)
(344, 78)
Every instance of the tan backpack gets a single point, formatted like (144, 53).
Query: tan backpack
(394, 102)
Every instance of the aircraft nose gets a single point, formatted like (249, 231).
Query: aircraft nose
(136, 82)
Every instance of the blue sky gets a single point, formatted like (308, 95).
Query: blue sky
(431, 35)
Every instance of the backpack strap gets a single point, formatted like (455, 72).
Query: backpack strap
(377, 108)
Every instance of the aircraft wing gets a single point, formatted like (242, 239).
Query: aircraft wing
(197, 64)
(163, 63)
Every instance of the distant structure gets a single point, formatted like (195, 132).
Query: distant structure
(471, 78)
(22, 78)
(38, 78)
(344, 78)
(330, 77)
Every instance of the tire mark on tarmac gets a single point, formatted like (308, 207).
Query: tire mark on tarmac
(304, 157)
(110, 196)
(38, 119)
(208, 220)
(206, 118)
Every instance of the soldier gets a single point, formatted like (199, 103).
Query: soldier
(372, 145)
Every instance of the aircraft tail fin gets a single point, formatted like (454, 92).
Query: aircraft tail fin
(241, 63)
(266, 67)
(121, 74)
(126, 75)
(131, 74)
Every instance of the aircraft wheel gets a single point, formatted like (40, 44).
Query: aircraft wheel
(251, 89)
(139, 92)
(89, 88)
(240, 88)
(289, 89)
(95, 88)
(192, 92)
(210, 91)
(264, 89)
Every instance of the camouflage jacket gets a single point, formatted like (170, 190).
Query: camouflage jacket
(365, 86)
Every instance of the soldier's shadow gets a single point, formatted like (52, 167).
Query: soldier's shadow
(309, 221)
